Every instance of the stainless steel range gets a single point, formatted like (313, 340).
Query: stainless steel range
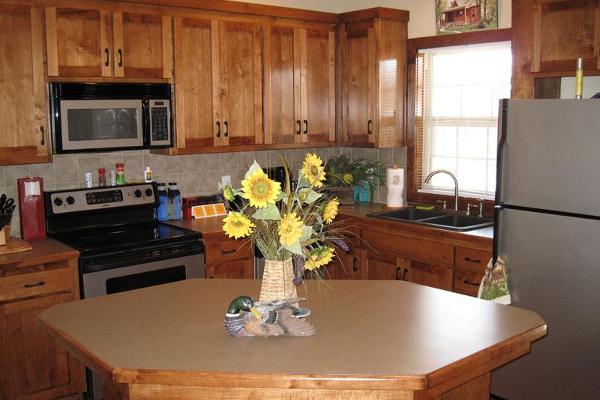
(122, 245)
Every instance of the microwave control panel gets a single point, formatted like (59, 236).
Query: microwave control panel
(160, 123)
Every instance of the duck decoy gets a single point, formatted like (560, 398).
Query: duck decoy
(244, 317)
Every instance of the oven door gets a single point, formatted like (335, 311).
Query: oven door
(139, 276)
(100, 124)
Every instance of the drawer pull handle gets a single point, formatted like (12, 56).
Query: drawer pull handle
(398, 272)
(466, 282)
(107, 62)
(228, 251)
(30, 285)
(120, 57)
(298, 127)
(218, 129)
(473, 260)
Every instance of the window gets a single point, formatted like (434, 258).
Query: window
(458, 93)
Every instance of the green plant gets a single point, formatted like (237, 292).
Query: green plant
(340, 171)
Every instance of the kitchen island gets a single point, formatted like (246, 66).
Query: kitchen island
(375, 340)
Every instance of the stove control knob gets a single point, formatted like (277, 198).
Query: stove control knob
(58, 202)
(148, 192)
(70, 200)
(137, 193)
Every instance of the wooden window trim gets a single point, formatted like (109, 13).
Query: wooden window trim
(413, 47)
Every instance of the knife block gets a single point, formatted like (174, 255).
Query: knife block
(4, 235)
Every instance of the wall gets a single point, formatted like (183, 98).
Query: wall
(422, 12)
(195, 174)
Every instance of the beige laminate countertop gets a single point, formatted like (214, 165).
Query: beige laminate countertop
(371, 334)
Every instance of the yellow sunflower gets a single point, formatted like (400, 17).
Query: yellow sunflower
(260, 190)
(318, 258)
(290, 229)
(330, 210)
(313, 170)
(236, 225)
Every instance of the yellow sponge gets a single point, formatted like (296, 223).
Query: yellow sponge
(424, 207)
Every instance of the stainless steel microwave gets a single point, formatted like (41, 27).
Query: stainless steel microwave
(110, 116)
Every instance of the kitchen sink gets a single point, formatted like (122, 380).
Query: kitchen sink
(408, 214)
(459, 222)
(436, 219)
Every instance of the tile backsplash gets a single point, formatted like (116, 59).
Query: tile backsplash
(195, 174)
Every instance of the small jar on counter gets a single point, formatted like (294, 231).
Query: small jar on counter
(120, 174)
(101, 177)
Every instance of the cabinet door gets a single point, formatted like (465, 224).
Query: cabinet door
(349, 265)
(23, 116)
(39, 368)
(196, 110)
(382, 266)
(78, 42)
(436, 276)
(143, 45)
(564, 30)
(240, 83)
(358, 83)
(317, 80)
(282, 85)
(236, 269)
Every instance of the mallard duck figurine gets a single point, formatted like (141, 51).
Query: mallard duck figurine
(244, 317)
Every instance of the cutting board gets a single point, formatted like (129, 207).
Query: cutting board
(14, 245)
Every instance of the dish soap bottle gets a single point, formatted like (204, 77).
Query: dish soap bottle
(162, 213)
(174, 201)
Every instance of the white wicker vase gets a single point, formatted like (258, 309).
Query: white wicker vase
(277, 281)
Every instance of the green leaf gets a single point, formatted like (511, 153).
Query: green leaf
(270, 212)
(307, 232)
(295, 248)
(310, 196)
(253, 168)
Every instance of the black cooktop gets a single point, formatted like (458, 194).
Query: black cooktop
(127, 238)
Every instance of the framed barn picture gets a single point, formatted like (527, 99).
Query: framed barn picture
(457, 16)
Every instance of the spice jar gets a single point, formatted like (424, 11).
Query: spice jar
(120, 174)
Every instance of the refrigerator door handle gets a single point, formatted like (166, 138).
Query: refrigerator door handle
(503, 132)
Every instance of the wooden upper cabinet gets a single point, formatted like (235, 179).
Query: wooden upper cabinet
(195, 120)
(99, 43)
(23, 113)
(238, 92)
(564, 30)
(373, 49)
(218, 83)
(299, 72)
(143, 46)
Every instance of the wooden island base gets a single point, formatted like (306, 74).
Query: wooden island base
(379, 340)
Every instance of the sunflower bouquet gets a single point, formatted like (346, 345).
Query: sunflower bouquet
(286, 224)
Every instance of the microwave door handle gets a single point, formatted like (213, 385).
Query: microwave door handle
(147, 134)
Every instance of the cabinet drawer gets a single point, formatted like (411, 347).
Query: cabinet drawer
(418, 249)
(467, 282)
(226, 250)
(472, 260)
(37, 283)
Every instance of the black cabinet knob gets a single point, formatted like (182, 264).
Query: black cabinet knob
(70, 200)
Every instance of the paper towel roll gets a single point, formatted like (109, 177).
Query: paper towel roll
(395, 187)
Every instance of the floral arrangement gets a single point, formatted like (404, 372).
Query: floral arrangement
(285, 223)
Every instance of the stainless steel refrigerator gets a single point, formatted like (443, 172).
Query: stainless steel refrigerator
(547, 228)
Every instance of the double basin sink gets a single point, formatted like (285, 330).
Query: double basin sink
(437, 219)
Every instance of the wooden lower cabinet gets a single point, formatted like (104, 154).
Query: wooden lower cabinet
(32, 365)
(228, 258)
(437, 276)
(236, 269)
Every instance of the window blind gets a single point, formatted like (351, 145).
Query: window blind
(457, 100)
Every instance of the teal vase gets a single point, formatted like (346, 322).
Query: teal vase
(362, 192)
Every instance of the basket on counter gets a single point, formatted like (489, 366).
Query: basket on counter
(345, 194)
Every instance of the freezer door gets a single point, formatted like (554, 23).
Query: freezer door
(549, 155)
(554, 269)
